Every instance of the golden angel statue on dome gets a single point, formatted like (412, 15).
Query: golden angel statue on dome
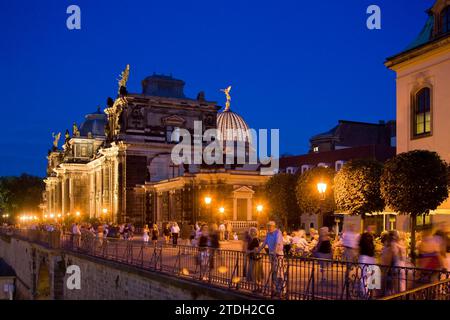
(227, 94)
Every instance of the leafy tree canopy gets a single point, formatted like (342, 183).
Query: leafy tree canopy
(308, 197)
(280, 193)
(357, 187)
(20, 194)
(414, 182)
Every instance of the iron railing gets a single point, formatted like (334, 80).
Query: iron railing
(267, 276)
(435, 291)
(48, 239)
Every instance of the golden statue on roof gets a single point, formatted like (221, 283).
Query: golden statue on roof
(227, 94)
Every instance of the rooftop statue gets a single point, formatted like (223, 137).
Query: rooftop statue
(56, 138)
(227, 94)
(75, 131)
(67, 136)
(124, 78)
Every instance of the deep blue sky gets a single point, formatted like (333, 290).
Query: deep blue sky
(299, 66)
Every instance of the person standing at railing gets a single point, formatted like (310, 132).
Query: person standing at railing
(166, 233)
(350, 240)
(76, 235)
(430, 253)
(222, 230)
(255, 271)
(228, 231)
(213, 244)
(155, 234)
(274, 244)
(393, 255)
(366, 255)
(203, 254)
(145, 235)
(175, 231)
(323, 250)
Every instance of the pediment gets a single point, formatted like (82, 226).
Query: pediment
(173, 120)
(243, 189)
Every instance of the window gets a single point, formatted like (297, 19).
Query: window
(445, 20)
(305, 168)
(172, 134)
(422, 112)
(338, 165)
(291, 170)
(316, 149)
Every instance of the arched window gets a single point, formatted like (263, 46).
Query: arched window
(422, 112)
(445, 20)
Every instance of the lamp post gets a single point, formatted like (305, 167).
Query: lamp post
(322, 188)
(259, 210)
(105, 214)
(208, 201)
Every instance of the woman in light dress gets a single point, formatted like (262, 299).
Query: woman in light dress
(146, 231)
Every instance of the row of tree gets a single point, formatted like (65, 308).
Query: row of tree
(412, 183)
(21, 194)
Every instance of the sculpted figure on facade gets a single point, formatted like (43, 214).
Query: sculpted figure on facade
(56, 138)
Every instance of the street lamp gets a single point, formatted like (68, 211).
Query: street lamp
(259, 208)
(208, 200)
(77, 213)
(322, 188)
(221, 209)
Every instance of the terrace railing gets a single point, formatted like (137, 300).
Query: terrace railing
(48, 239)
(434, 291)
(265, 276)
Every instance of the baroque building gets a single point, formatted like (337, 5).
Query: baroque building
(423, 96)
(117, 164)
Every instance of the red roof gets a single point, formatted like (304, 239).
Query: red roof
(378, 152)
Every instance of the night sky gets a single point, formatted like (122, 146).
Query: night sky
(299, 66)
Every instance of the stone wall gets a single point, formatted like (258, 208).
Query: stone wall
(41, 274)
(38, 274)
(107, 280)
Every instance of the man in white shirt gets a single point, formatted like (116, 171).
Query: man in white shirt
(175, 230)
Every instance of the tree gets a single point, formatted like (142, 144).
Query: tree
(280, 193)
(414, 183)
(20, 194)
(357, 187)
(308, 197)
